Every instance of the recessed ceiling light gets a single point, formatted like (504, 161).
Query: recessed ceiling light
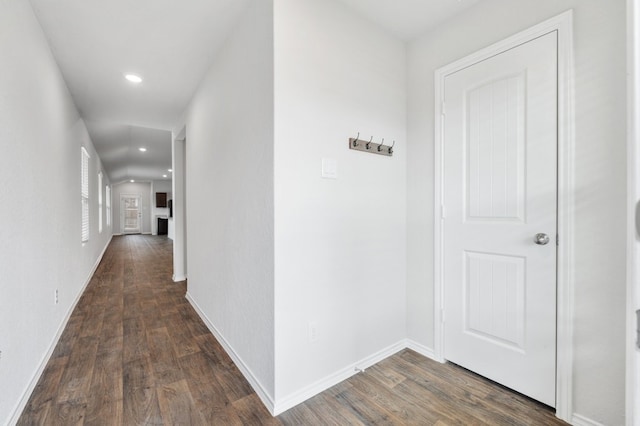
(164, 175)
(170, 170)
(132, 181)
(133, 78)
(142, 149)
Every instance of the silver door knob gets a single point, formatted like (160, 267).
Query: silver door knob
(541, 239)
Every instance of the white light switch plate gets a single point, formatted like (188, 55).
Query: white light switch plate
(329, 168)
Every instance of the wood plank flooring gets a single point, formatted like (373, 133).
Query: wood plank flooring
(134, 352)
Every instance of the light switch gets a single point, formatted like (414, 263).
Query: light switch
(329, 168)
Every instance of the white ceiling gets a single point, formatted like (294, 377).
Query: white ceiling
(118, 146)
(170, 44)
(407, 19)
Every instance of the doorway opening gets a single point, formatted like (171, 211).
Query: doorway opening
(131, 214)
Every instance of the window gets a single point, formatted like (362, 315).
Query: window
(84, 192)
(100, 202)
(108, 202)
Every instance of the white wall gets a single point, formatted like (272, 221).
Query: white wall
(159, 186)
(229, 187)
(143, 189)
(600, 175)
(339, 244)
(40, 228)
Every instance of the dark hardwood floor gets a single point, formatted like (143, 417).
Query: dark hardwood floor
(135, 353)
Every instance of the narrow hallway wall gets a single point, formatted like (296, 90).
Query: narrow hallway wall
(41, 134)
(229, 187)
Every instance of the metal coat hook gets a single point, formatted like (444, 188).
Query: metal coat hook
(371, 146)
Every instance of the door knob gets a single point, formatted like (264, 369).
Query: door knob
(541, 239)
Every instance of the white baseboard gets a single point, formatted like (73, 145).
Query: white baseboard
(290, 401)
(321, 385)
(178, 278)
(47, 356)
(579, 420)
(263, 394)
(421, 349)
(283, 404)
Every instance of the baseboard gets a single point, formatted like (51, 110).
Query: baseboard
(178, 278)
(579, 420)
(321, 385)
(262, 393)
(296, 398)
(421, 349)
(47, 356)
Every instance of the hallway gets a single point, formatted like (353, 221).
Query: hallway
(135, 352)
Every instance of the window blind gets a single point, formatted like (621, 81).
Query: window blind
(100, 202)
(84, 192)
(108, 201)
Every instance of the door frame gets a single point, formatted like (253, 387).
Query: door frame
(178, 164)
(122, 218)
(563, 24)
(633, 194)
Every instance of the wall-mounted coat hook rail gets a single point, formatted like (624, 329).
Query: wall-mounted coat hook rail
(370, 146)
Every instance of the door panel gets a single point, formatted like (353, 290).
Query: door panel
(499, 172)
(495, 187)
(495, 303)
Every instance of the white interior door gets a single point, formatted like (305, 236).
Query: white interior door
(500, 191)
(131, 214)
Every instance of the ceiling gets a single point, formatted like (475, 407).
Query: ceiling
(170, 44)
(407, 19)
(118, 146)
